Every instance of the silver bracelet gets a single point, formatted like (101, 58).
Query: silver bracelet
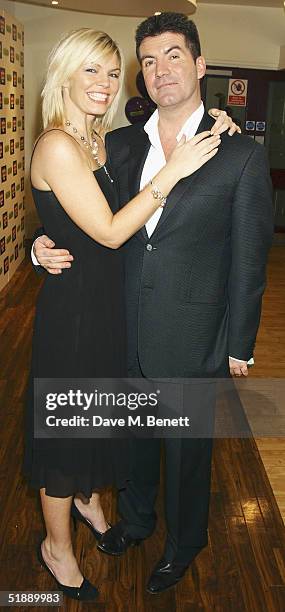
(156, 193)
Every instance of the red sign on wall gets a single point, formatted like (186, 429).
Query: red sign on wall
(237, 95)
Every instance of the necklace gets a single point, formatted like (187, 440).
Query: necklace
(94, 148)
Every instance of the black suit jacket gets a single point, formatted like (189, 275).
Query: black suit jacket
(194, 288)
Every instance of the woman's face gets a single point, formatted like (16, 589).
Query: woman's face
(93, 87)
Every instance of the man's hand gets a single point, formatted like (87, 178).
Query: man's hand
(238, 368)
(223, 122)
(53, 260)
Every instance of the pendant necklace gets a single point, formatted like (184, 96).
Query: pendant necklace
(94, 148)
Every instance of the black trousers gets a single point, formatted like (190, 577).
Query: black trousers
(187, 491)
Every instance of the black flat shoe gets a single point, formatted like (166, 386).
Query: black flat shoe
(77, 516)
(86, 591)
(116, 540)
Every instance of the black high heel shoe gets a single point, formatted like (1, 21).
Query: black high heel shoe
(86, 591)
(77, 516)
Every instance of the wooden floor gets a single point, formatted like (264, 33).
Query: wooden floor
(270, 362)
(243, 568)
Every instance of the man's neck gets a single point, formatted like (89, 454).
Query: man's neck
(172, 119)
(170, 123)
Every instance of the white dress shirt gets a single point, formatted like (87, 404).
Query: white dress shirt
(156, 158)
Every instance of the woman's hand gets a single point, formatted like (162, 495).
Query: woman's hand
(187, 157)
(223, 122)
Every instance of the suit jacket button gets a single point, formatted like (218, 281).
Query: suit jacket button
(149, 247)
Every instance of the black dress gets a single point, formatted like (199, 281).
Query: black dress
(79, 331)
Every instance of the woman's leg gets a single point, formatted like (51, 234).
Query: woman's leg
(92, 510)
(57, 548)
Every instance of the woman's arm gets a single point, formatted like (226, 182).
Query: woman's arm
(63, 168)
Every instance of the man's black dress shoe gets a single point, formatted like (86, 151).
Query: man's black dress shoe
(116, 540)
(165, 575)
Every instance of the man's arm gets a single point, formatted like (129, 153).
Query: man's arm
(252, 231)
(46, 257)
(239, 367)
(37, 267)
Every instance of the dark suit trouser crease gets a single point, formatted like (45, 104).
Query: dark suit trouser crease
(187, 491)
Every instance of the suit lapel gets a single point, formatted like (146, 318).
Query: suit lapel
(184, 184)
(138, 153)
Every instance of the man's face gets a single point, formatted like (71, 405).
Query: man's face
(170, 73)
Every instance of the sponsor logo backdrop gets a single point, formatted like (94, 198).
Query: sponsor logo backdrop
(12, 154)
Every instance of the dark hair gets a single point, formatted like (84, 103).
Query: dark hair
(170, 22)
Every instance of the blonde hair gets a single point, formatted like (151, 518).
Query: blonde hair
(67, 57)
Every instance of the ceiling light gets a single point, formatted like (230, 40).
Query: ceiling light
(157, 13)
(54, 1)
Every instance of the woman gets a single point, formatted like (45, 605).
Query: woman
(79, 326)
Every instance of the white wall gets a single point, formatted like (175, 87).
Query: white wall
(243, 36)
(231, 35)
(7, 6)
(282, 58)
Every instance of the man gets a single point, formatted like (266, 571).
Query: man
(195, 276)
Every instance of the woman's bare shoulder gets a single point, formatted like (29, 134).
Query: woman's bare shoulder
(56, 137)
(58, 145)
